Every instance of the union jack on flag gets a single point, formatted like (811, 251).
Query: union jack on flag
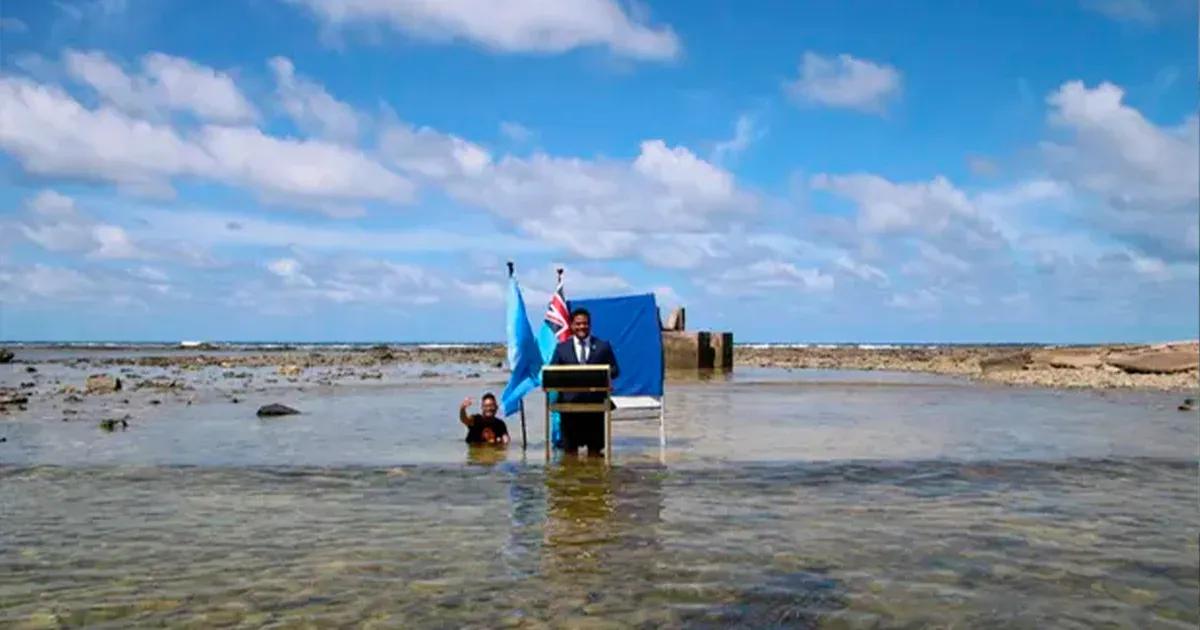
(557, 317)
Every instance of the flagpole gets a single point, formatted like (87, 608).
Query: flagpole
(524, 441)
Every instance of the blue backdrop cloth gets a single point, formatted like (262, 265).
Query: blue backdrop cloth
(630, 323)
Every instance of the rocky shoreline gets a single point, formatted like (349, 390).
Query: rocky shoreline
(1167, 367)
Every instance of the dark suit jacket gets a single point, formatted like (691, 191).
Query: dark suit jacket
(599, 353)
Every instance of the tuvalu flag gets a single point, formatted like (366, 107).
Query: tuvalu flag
(524, 355)
(556, 328)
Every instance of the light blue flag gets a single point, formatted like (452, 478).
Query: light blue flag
(547, 341)
(524, 356)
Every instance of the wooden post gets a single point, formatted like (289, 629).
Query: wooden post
(608, 421)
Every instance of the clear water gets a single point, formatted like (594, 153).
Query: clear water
(790, 499)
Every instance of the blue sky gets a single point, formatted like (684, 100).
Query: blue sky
(807, 171)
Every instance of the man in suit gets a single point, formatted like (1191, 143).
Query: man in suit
(584, 429)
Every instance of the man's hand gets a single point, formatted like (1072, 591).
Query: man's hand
(462, 411)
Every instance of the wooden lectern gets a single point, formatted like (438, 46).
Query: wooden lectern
(579, 379)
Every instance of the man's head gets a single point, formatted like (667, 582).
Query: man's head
(581, 323)
(488, 405)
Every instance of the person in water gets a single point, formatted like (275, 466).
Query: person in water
(483, 427)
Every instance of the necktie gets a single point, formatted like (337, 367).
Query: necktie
(582, 351)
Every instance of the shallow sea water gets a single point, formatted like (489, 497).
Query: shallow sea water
(783, 499)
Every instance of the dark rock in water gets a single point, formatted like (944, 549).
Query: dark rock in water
(1189, 404)
(499, 365)
(155, 401)
(429, 374)
(30, 370)
(474, 375)
(102, 384)
(234, 400)
(3, 440)
(276, 410)
(5, 355)
(371, 375)
(73, 398)
(113, 424)
(28, 385)
(13, 398)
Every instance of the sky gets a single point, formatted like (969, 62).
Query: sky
(361, 170)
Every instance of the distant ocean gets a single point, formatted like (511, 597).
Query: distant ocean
(359, 345)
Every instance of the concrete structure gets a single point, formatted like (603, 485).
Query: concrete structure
(696, 350)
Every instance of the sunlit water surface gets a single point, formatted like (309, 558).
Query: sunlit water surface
(803, 499)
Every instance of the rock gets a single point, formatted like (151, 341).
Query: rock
(428, 374)
(102, 384)
(155, 401)
(1006, 362)
(290, 370)
(276, 410)
(3, 440)
(113, 424)
(1168, 360)
(6, 356)
(1189, 404)
(474, 375)
(161, 384)
(73, 398)
(13, 398)
(234, 400)
(369, 375)
(28, 385)
(30, 370)
(1068, 358)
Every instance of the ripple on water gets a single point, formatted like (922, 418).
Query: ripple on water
(1077, 542)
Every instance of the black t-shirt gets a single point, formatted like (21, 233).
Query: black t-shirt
(479, 423)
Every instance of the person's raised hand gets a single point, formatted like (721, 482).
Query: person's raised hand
(466, 403)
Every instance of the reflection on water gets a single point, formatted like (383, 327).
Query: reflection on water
(1006, 543)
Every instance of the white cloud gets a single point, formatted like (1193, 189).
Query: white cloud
(516, 132)
(217, 229)
(299, 170)
(166, 84)
(1144, 178)
(845, 81)
(888, 207)
(918, 300)
(660, 206)
(769, 277)
(431, 154)
(342, 280)
(291, 271)
(50, 133)
(12, 25)
(515, 26)
(745, 133)
(1138, 11)
(683, 173)
(56, 225)
(312, 108)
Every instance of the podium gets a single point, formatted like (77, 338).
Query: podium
(575, 379)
